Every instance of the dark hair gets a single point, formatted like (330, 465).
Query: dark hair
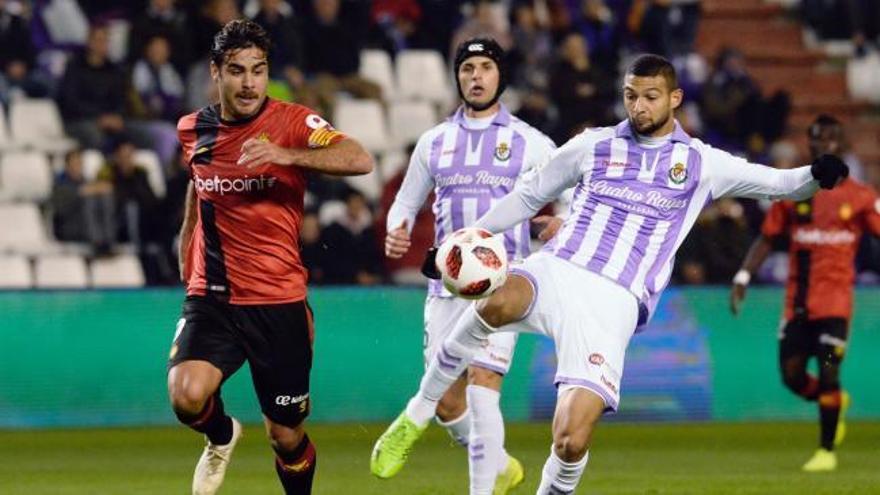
(237, 35)
(823, 121)
(650, 65)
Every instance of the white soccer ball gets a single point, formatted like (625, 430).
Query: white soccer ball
(472, 262)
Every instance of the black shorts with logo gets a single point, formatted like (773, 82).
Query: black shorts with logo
(824, 338)
(275, 340)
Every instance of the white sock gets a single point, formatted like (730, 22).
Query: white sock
(459, 428)
(448, 364)
(486, 450)
(560, 477)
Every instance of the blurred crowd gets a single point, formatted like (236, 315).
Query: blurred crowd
(122, 73)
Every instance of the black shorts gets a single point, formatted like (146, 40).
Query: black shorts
(276, 341)
(824, 338)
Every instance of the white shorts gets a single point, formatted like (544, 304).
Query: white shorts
(589, 317)
(441, 313)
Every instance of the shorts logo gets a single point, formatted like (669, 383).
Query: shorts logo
(678, 173)
(288, 400)
(502, 152)
(597, 359)
(608, 384)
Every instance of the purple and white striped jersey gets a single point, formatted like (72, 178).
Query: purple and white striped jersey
(634, 204)
(470, 169)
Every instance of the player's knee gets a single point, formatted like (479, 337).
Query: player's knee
(571, 446)
(794, 381)
(189, 399)
(485, 378)
(499, 309)
(284, 438)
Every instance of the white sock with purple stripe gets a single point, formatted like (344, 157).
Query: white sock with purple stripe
(450, 361)
(560, 477)
(459, 428)
(486, 448)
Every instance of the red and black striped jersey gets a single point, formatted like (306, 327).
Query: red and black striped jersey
(245, 246)
(824, 234)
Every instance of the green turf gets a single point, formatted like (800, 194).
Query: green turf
(762, 458)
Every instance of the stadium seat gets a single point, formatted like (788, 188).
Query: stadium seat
(408, 120)
(25, 176)
(363, 120)
(863, 78)
(15, 273)
(92, 160)
(376, 66)
(392, 163)
(370, 185)
(61, 272)
(117, 33)
(330, 211)
(23, 230)
(150, 161)
(36, 123)
(422, 75)
(116, 272)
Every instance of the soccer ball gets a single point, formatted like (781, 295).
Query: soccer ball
(472, 263)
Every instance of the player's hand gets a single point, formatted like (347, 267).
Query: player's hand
(397, 242)
(737, 294)
(429, 266)
(550, 226)
(255, 152)
(829, 170)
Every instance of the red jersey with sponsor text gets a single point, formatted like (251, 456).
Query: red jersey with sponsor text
(245, 246)
(824, 234)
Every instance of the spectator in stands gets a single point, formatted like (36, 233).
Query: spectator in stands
(532, 51)
(162, 18)
(393, 24)
(334, 55)
(92, 93)
(734, 108)
(287, 60)
(720, 238)
(666, 27)
(312, 249)
(156, 83)
(83, 210)
(440, 17)
(352, 233)
(17, 58)
(580, 89)
(211, 17)
(487, 20)
(865, 19)
(596, 21)
(135, 200)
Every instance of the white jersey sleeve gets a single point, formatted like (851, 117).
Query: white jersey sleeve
(417, 185)
(731, 176)
(544, 183)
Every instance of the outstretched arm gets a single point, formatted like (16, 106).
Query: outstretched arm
(345, 157)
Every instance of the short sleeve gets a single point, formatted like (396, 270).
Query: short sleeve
(776, 220)
(310, 130)
(871, 212)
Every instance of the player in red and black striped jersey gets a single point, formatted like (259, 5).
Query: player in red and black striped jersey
(823, 235)
(245, 281)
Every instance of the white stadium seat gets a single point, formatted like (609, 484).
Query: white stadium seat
(117, 272)
(150, 161)
(92, 160)
(23, 230)
(15, 273)
(25, 176)
(409, 119)
(422, 75)
(61, 272)
(36, 123)
(376, 66)
(363, 120)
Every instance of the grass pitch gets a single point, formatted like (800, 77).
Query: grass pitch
(754, 458)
